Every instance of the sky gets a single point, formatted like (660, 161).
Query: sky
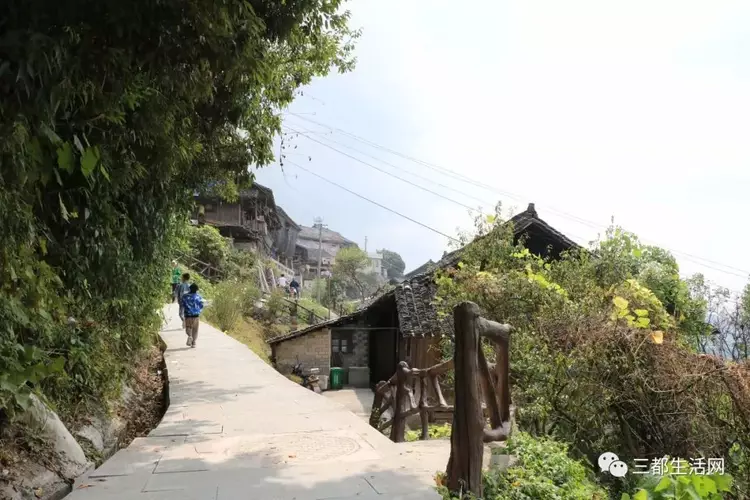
(636, 111)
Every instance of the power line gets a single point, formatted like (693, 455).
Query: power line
(374, 202)
(480, 200)
(386, 172)
(692, 258)
(404, 180)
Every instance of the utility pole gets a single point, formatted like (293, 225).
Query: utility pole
(365, 244)
(319, 222)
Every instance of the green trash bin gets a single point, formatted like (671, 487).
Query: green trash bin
(337, 378)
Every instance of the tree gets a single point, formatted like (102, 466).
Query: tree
(113, 114)
(393, 263)
(349, 264)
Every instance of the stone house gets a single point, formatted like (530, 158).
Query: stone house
(400, 325)
(315, 243)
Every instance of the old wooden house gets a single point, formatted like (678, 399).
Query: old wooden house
(401, 325)
(254, 222)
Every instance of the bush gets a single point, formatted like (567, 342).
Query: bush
(689, 487)
(435, 432)
(597, 361)
(226, 307)
(241, 264)
(275, 305)
(207, 245)
(250, 294)
(544, 471)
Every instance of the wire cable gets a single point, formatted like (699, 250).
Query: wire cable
(473, 209)
(728, 269)
(373, 202)
(480, 200)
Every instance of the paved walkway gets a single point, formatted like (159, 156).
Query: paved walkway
(237, 429)
(357, 401)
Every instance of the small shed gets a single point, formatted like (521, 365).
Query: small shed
(402, 324)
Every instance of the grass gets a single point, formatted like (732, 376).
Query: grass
(252, 334)
(435, 432)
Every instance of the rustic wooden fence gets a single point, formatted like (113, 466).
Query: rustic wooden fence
(203, 268)
(401, 388)
(479, 386)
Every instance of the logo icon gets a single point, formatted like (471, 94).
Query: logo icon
(609, 462)
(618, 468)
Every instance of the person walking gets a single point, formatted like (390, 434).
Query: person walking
(176, 272)
(282, 282)
(193, 304)
(183, 289)
(294, 286)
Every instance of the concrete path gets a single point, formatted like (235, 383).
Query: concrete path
(237, 429)
(357, 401)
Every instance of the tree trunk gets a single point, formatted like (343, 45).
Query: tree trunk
(464, 472)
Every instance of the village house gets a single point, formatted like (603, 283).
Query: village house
(401, 325)
(375, 266)
(253, 223)
(314, 243)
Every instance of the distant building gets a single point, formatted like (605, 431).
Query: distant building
(314, 242)
(254, 222)
(376, 267)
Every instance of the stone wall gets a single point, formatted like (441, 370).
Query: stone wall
(313, 350)
(359, 359)
(361, 354)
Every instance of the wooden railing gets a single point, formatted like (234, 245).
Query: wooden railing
(479, 386)
(310, 316)
(397, 395)
(203, 268)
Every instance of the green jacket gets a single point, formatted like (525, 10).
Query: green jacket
(176, 274)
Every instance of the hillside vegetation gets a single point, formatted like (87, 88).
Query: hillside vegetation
(607, 355)
(113, 114)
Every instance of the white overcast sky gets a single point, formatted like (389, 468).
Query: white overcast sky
(637, 110)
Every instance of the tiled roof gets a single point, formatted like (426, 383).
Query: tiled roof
(312, 233)
(417, 314)
(314, 328)
(427, 266)
(522, 223)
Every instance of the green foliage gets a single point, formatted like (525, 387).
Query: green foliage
(393, 264)
(226, 306)
(597, 359)
(544, 471)
(242, 265)
(350, 262)
(207, 245)
(113, 115)
(682, 487)
(435, 432)
(320, 310)
(275, 305)
(250, 294)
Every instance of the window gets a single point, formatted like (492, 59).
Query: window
(342, 342)
(210, 208)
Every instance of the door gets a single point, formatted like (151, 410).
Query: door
(382, 354)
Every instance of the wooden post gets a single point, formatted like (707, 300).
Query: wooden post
(424, 414)
(499, 335)
(398, 428)
(464, 471)
(377, 404)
